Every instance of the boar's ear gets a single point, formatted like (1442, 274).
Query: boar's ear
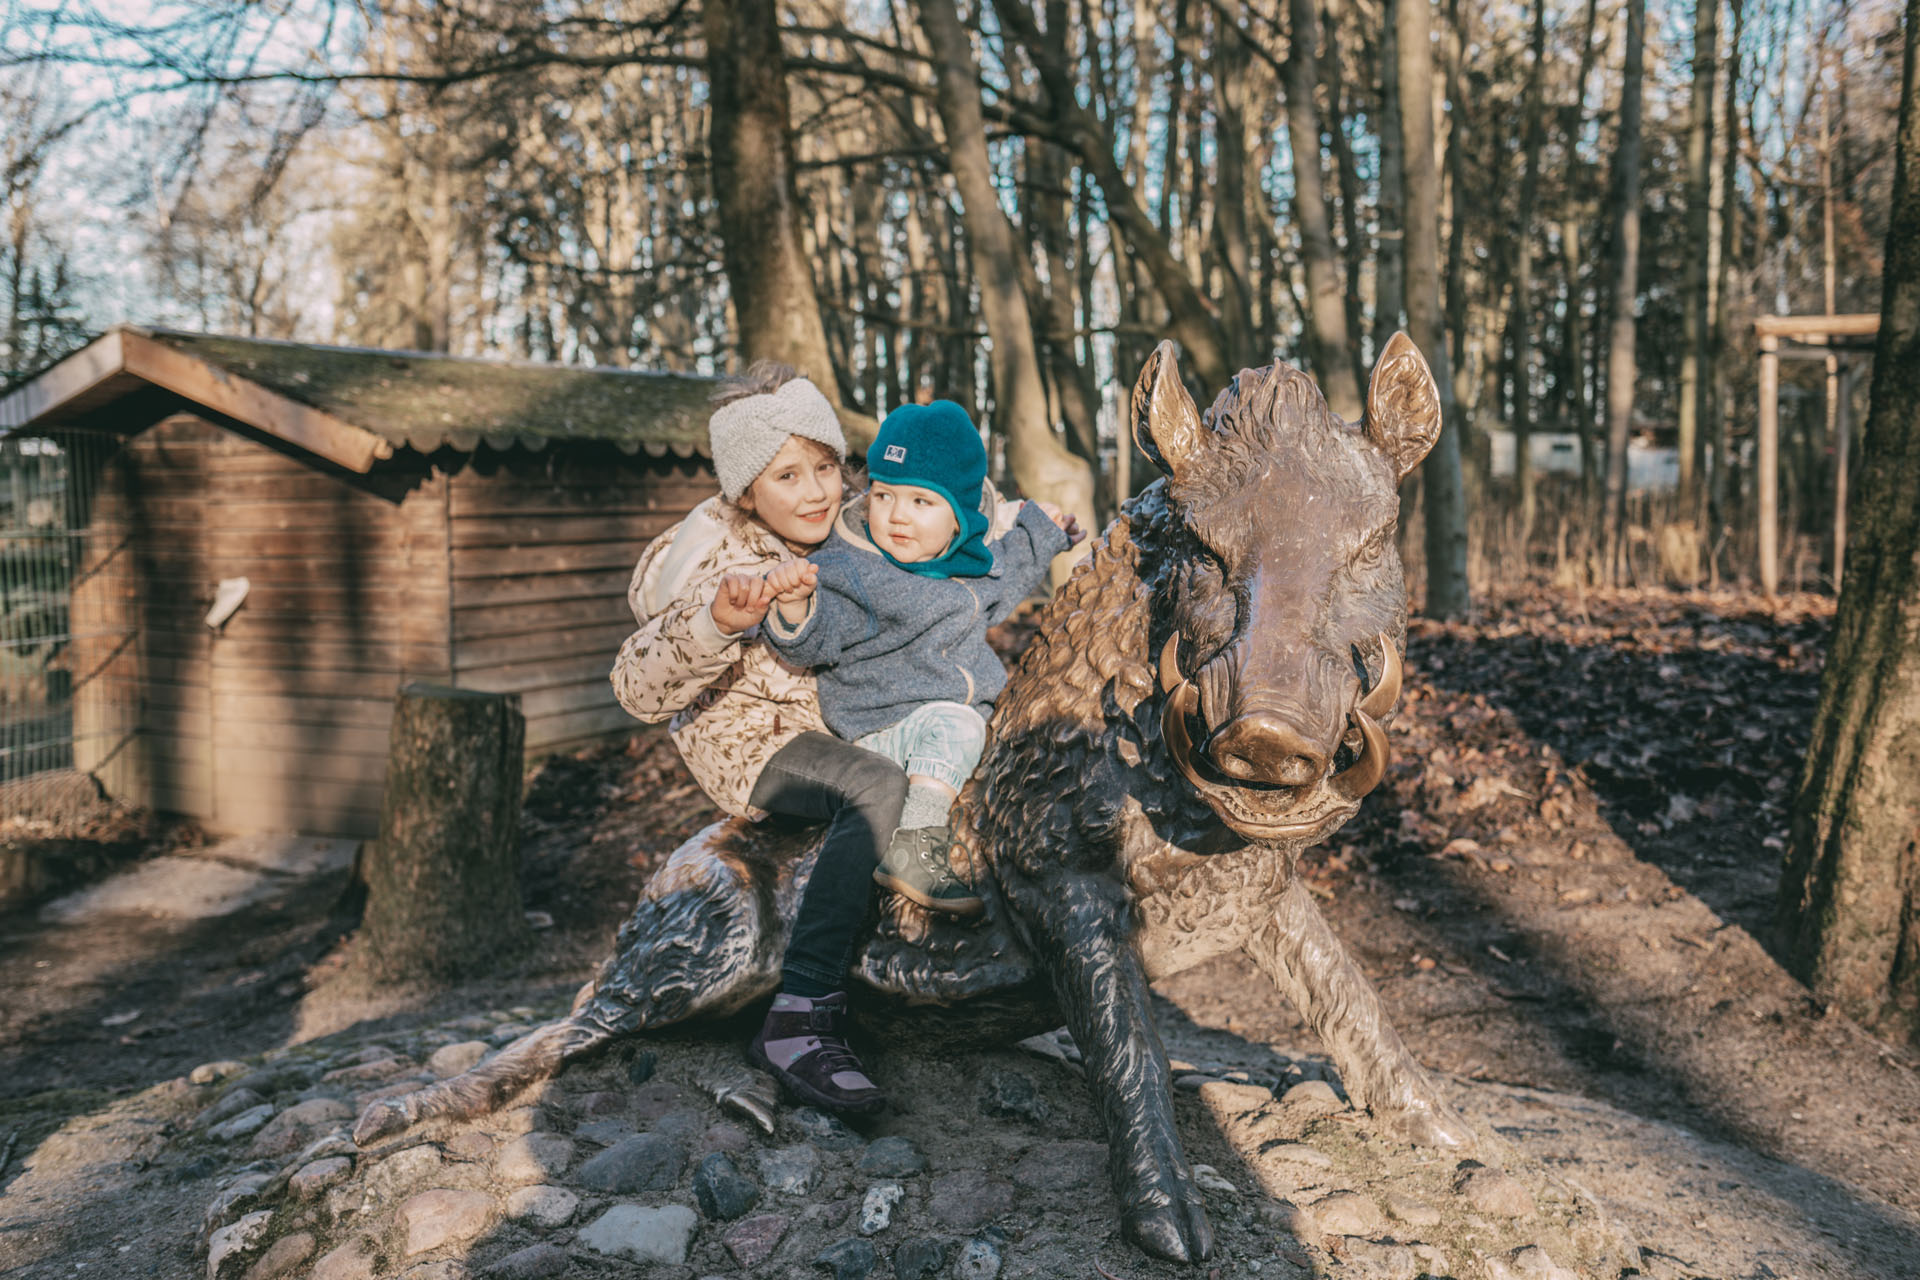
(1166, 426)
(1403, 404)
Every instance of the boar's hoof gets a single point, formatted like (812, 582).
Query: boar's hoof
(1434, 1125)
(1177, 1232)
(379, 1120)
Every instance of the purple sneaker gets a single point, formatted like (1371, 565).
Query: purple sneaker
(803, 1043)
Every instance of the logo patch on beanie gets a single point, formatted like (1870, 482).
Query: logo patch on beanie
(896, 453)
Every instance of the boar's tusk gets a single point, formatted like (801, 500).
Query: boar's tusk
(1383, 695)
(1173, 730)
(1364, 774)
(1170, 677)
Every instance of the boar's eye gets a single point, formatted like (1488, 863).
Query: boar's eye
(1207, 610)
(1373, 552)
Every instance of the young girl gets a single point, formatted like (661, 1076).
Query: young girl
(892, 613)
(748, 724)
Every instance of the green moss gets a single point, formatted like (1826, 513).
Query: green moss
(428, 400)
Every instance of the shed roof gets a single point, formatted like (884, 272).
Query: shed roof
(356, 405)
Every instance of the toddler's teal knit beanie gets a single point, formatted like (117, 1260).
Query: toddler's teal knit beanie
(936, 446)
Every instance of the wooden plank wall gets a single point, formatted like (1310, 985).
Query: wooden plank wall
(279, 720)
(542, 550)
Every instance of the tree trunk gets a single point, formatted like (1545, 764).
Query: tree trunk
(1443, 489)
(1718, 515)
(1349, 183)
(1041, 465)
(1696, 375)
(1849, 911)
(443, 887)
(1624, 217)
(1520, 318)
(1326, 304)
(1229, 205)
(1389, 290)
(769, 274)
(1192, 318)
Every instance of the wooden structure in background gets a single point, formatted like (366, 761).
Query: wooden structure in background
(400, 517)
(1819, 331)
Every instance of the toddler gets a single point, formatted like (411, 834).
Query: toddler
(892, 615)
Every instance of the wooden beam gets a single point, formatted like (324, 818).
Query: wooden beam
(1768, 481)
(298, 424)
(73, 377)
(1810, 328)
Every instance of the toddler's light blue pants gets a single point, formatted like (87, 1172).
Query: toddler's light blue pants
(939, 740)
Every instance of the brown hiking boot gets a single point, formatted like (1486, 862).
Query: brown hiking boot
(803, 1043)
(916, 867)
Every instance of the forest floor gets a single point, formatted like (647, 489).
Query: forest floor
(1564, 893)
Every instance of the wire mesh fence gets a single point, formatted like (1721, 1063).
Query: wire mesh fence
(48, 489)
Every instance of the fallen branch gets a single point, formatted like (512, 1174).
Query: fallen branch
(6, 1152)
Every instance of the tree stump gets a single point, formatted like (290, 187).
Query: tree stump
(443, 889)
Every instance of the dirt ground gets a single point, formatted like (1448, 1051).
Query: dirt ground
(1563, 892)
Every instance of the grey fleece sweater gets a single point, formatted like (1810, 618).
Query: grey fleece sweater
(883, 641)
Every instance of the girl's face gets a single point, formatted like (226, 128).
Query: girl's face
(914, 524)
(798, 495)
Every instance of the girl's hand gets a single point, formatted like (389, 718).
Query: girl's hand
(741, 602)
(1068, 522)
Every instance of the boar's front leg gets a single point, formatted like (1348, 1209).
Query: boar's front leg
(1079, 925)
(1300, 953)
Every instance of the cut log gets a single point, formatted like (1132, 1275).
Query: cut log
(443, 889)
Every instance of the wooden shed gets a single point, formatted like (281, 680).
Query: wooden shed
(397, 516)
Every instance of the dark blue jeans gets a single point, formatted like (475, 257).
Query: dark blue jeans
(858, 795)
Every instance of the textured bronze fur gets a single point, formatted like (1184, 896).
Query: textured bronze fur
(1266, 561)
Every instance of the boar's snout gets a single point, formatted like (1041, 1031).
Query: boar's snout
(1262, 747)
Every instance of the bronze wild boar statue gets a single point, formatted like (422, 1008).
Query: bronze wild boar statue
(1204, 699)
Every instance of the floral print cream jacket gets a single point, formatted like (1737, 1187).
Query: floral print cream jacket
(729, 700)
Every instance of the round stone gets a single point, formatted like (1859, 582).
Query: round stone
(790, 1170)
(353, 1260)
(282, 1257)
(644, 1162)
(979, 1260)
(229, 1244)
(851, 1259)
(1347, 1213)
(312, 1179)
(1313, 1095)
(891, 1157)
(213, 1072)
(535, 1262)
(543, 1206)
(1227, 1098)
(876, 1207)
(248, 1122)
(642, 1234)
(534, 1157)
(722, 1191)
(919, 1259)
(1011, 1094)
(1415, 1213)
(1493, 1192)
(443, 1216)
(231, 1104)
(753, 1240)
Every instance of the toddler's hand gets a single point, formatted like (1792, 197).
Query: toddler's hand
(741, 602)
(793, 581)
(1068, 522)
